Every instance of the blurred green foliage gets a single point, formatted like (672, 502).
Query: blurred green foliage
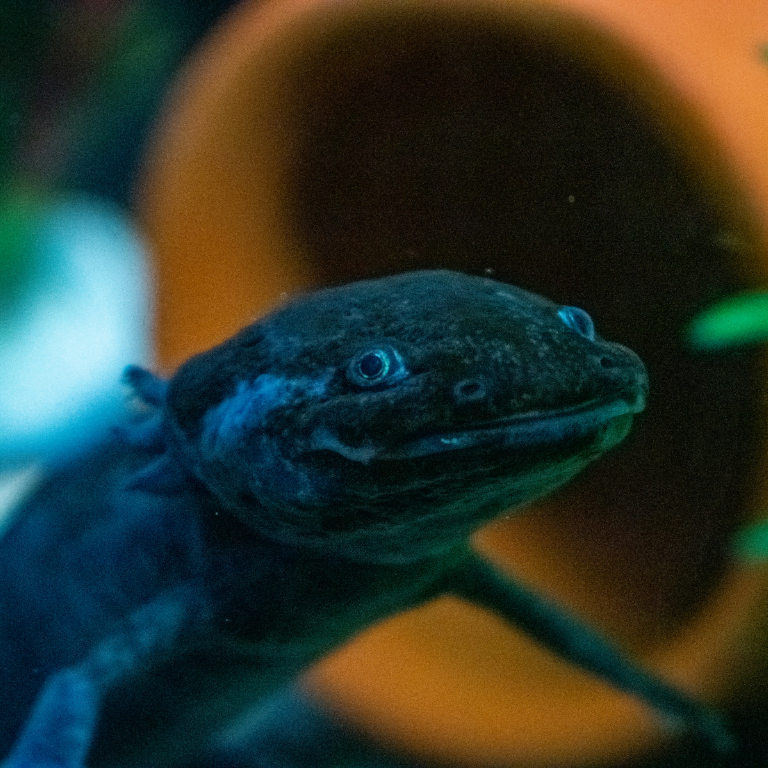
(20, 208)
(734, 321)
(25, 28)
(751, 544)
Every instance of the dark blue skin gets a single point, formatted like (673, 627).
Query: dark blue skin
(318, 472)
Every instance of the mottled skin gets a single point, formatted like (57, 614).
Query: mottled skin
(318, 472)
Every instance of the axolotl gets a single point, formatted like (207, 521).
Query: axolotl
(323, 469)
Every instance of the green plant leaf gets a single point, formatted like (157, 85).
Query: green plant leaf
(735, 321)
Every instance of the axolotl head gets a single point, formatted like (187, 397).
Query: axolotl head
(386, 420)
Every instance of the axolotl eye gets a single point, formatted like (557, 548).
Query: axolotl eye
(376, 366)
(578, 320)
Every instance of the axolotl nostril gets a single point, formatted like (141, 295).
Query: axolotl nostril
(316, 473)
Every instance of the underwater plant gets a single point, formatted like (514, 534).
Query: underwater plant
(318, 472)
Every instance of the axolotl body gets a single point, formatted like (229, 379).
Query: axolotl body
(320, 471)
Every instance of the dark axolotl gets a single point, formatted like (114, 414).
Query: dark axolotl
(320, 471)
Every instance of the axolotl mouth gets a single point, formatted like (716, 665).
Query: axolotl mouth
(596, 426)
(604, 425)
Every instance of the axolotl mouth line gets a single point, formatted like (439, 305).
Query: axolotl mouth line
(602, 424)
(608, 423)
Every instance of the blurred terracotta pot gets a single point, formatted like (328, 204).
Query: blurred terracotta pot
(606, 153)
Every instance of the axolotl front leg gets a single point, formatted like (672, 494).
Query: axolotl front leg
(59, 730)
(573, 640)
